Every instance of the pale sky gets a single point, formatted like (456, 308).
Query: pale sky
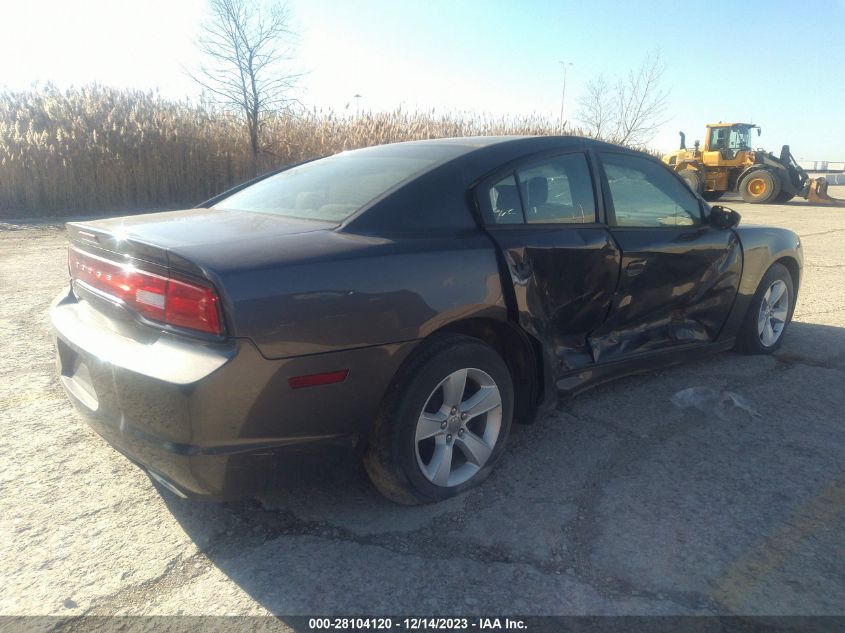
(777, 63)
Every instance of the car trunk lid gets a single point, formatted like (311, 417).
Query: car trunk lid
(151, 267)
(158, 238)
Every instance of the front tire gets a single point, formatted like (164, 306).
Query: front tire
(711, 196)
(769, 313)
(444, 422)
(760, 186)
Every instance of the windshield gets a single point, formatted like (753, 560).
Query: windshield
(740, 138)
(330, 189)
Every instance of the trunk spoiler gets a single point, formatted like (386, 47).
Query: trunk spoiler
(119, 247)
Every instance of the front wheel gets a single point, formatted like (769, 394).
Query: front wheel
(710, 196)
(769, 313)
(760, 186)
(443, 423)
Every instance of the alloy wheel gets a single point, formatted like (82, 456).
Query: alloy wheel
(458, 427)
(773, 312)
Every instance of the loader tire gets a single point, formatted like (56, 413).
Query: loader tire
(692, 179)
(784, 196)
(711, 196)
(760, 186)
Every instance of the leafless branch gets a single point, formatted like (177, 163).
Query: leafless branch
(630, 111)
(245, 44)
(595, 108)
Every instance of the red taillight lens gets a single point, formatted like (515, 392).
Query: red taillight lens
(171, 301)
(192, 306)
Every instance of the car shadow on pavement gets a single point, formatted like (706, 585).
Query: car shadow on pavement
(617, 502)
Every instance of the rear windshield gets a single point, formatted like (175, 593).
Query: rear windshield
(330, 189)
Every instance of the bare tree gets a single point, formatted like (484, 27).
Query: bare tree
(246, 44)
(631, 110)
(595, 109)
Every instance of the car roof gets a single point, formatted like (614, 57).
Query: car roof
(467, 144)
(496, 148)
(437, 197)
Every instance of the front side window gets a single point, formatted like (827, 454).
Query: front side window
(558, 190)
(740, 138)
(330, 189)
(646, 194)
(718, 139)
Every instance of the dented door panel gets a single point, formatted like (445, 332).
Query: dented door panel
(564, 281)
(676, 287)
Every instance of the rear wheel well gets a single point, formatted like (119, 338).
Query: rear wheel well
(521, 353)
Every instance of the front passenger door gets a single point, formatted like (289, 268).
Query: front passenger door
(679, 276)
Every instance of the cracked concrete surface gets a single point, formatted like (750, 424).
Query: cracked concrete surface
(615, 503)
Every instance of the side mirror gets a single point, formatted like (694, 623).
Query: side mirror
(723, 218)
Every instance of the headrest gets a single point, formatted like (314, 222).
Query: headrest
(507, 197)
(538, 191)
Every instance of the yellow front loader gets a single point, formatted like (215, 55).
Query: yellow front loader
(728, 162)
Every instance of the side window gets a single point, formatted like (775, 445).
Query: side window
(504, 200)
(558, 190)
(717, 139)
(646, 194)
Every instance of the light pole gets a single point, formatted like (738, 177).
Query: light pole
(357, 103)
(565, 65)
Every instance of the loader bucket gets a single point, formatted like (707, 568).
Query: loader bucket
(817, 193)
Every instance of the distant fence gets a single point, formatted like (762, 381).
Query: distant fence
(832, 178)
(822, 165)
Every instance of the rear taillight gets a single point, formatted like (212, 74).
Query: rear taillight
(171, 301)
(191, 306)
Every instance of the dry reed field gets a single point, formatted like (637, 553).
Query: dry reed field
(100, 150)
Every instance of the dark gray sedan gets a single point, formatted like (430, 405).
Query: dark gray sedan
(405, 304)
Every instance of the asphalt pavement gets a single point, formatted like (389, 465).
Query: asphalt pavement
(617, 502)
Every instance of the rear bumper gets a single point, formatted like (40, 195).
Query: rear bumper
(215, 419)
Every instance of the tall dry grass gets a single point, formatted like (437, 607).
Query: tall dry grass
(102, 150)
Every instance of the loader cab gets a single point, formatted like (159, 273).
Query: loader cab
(726, 143)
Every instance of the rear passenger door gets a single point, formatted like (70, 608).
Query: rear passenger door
(544, 215)
(679, 275)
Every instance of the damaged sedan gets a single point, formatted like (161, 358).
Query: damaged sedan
(403, 305)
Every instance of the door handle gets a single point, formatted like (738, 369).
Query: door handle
(635, 268)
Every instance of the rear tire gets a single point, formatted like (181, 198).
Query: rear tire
(766, 320)
(692, 179)
(760, 186)
(710, 196)
(424, 420)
